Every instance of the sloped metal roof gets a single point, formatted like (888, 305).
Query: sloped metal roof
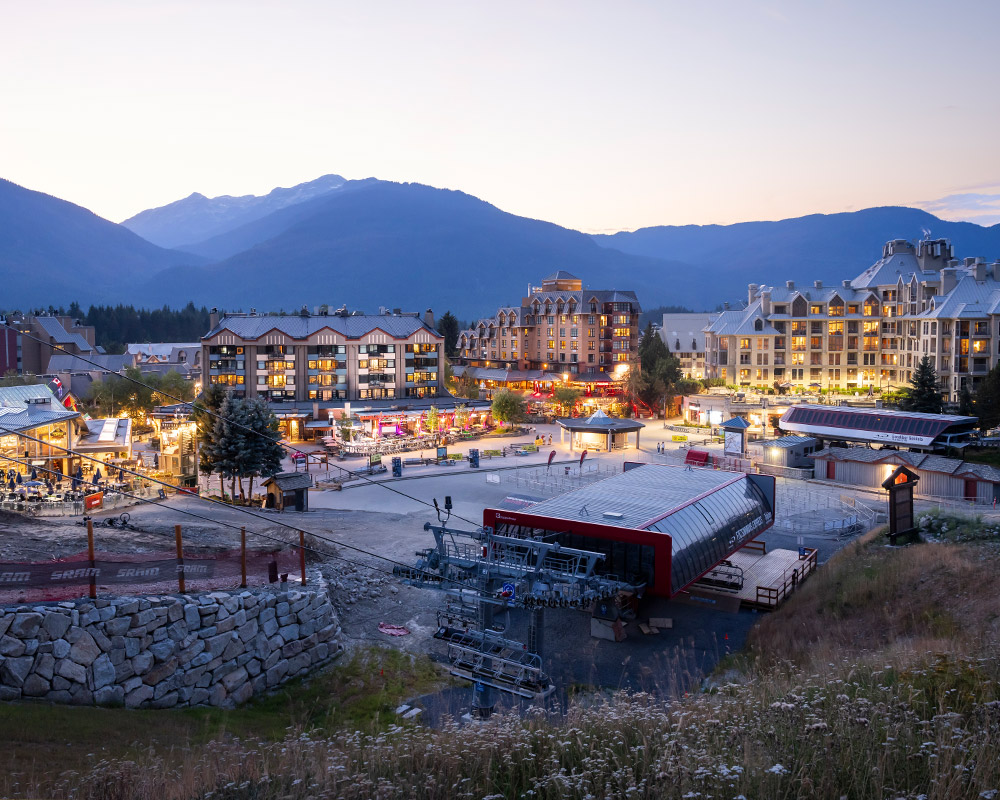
(399, 327)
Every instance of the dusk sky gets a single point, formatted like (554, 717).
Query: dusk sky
(599, 116)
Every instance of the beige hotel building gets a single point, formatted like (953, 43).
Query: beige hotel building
(869, 332)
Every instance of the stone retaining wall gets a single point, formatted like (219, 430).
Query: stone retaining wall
(215, 649)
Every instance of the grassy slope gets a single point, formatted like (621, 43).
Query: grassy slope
(880, 678)
(360, 691)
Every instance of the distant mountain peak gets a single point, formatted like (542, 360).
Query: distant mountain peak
(197, 218)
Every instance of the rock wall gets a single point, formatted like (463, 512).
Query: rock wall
(214, 649)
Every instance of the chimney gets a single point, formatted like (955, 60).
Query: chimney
(846, 284)
(980, 270)
(996, 270)
(725, 306)
(818, 284)
(789, 284)
(213, 319)
(948, 280)
(753, 292)
(429, 319)
(765, 302)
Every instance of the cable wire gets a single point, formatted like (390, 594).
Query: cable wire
(214, 521)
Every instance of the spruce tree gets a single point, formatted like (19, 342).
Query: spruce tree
(204, 412)
(966, 406)
(987, 400)
(923, 394)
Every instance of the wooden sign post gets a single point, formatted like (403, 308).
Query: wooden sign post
(900, 486)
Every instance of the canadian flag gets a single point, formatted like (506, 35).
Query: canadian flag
(59, 387)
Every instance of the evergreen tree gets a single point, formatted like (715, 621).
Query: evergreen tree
(966, 407)
(923, 394)
(232, 447)
(987, 400)
(447, 326)
(204, 412)
(264, 439)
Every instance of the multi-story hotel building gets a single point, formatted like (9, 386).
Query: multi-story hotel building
(326, 358)
(872, 331)
(560, 327)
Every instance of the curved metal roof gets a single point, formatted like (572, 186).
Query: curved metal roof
(872, 424)
(708, 514)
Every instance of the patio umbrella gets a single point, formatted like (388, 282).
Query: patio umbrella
(33, 483)
(20, 480)
(79, 472)
(12, 484)
(34, 474)
(97, 477)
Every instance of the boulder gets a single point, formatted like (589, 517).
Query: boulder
(25, 625)
(234, 679)
(110, 696)
(56, 625)
(103, 671)
(85, 650)
(15, 670)
(45, 665)
(11, 647)
(36, 686)
(138, 696)
(71, 670)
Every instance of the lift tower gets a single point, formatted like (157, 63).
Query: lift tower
(482, 572)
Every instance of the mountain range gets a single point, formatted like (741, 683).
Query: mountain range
(372, 243)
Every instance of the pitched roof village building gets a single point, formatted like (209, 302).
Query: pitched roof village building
(872, 331)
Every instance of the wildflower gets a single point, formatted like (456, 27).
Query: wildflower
(778, 769)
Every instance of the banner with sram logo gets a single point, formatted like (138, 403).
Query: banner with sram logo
(104, 572)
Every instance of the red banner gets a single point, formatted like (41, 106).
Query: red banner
(583, 455)
(92, 501)
(551, 456)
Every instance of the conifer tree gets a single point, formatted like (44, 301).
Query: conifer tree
(923, 394)
(987, 400)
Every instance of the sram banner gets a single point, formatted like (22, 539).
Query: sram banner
(105, 572)
(92, 501)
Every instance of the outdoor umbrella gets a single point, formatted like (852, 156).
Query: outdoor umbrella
(34, 474)
(20, 480)
(33, 483)
(79, 472)
(12, 484)
(97, 477)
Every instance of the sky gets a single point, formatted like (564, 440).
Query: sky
(599, 116)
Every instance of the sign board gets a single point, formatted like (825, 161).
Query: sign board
(474, 458)
(397, 467)
(734, 443)
(679, 437)
(442, 453)
(508, 591)
(374, 459)
(92, 501)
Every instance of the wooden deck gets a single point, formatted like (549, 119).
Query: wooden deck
(768, 577)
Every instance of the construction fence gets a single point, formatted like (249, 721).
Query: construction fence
(98, 573)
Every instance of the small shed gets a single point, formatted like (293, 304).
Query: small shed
(288, 490)
(790, 451)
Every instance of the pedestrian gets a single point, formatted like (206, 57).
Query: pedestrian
(550, 438)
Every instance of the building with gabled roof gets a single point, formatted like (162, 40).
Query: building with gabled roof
(325, 360)
(559, 327)
(869, 332)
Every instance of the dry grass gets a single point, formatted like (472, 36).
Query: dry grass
(880, 680)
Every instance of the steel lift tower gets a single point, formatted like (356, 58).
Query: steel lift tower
(482, 573)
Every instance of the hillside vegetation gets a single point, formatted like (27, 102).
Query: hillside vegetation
(879, 679)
